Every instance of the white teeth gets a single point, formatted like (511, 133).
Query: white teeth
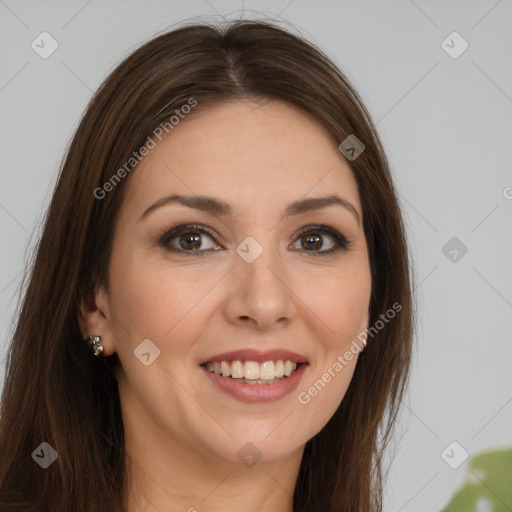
(252, 371)
(226, 371)
(237, 370)
(267, 371)
(259, 381)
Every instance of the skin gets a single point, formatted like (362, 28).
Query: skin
(183, 433)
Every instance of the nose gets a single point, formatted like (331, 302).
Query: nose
(259, 294)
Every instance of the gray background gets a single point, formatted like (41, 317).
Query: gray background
(446, 126)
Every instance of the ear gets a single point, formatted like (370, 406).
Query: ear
(94, 317)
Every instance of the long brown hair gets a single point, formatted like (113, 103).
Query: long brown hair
(56, 392)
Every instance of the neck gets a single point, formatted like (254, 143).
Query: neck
(177, 478)
(166, 473)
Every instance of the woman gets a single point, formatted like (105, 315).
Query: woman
(219, 314)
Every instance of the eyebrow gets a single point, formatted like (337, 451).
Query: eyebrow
(218, 207)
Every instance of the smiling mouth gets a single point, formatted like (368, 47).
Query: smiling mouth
(252, 372)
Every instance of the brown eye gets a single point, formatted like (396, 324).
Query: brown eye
(187, 239)
(190, 241)
(312, 241)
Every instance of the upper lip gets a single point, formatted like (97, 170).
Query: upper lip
(257, 356)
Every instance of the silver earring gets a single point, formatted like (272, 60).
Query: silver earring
(94, 342)
(364, 344)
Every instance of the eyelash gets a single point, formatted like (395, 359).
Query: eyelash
(341, 241)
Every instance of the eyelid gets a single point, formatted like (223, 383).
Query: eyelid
(342, 242)
(183, 228)
(318, 227)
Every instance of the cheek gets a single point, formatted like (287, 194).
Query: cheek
(151, 296)
(341, 312)
(340, 302)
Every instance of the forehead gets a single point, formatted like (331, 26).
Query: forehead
(245, 152)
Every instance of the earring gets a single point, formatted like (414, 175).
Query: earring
(94, 342)
(364, 344)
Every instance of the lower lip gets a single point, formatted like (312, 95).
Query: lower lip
(257, 393)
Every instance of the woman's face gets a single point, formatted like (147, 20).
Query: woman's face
(256, 280)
